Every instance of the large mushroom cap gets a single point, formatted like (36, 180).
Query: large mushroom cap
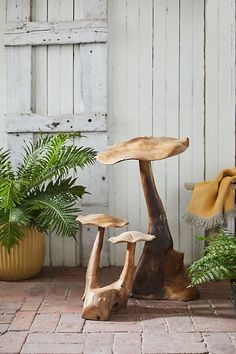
(101, 220)
(144, 148)
(131, 237)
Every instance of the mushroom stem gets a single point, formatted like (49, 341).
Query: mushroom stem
(157, 221)
(93, 265)
(127, 274)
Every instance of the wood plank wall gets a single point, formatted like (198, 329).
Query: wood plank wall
(171, 73)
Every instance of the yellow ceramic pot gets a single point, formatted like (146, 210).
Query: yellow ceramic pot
(25, 260)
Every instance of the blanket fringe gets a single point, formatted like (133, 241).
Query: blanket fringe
(218, 220)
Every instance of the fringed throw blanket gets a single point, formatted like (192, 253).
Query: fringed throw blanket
(212, 201)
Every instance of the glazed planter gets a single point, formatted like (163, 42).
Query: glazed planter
(24, 260)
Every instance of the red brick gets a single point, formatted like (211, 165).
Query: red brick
(55, 348)
(63, 308)
(162, 304)
(223, 307)
(32, 303)
(219, 343)
(39, 290)
(12, 342)
(214, 324)
(176, 343)
(57, 292)
(99, 343)
(7, 304)
(116, 316)
(127, 343)
(3, 327)
(199, 303)
(179, 324)
(45, 322)
(6, 317)
(22, 321)
(155, 325)
(78, 338)
(70, 323)
(75, 294)
(110, 326)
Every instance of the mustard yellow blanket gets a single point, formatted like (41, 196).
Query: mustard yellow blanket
(212, 201)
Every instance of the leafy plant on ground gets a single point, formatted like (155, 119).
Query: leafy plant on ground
(218, 261)
(40, 192)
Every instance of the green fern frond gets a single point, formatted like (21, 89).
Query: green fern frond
(40, 194)
(55, 213)
(218, 261)
(54, 159)
(65, 188)
(10, 231)
(10, 193)
(6, 169)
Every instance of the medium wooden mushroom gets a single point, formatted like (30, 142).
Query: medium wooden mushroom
(102, 221)
(160, 273)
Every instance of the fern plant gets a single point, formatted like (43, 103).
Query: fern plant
(40, 193)
(218, 261)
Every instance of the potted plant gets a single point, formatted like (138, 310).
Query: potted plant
(218, 261)
(38, 196)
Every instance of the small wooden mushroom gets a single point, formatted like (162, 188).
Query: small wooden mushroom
(127, 275)
(160, 273)
(99, 302)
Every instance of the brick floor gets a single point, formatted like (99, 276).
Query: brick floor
(43, 315)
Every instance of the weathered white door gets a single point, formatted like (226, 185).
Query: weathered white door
(56, 73)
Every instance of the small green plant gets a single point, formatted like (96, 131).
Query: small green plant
(39, 193)
(218, 261)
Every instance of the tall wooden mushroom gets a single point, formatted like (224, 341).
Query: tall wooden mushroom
(160, 273)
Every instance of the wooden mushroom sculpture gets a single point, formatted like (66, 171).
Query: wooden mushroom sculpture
(160, 273)
(125, 282)
(97, 305)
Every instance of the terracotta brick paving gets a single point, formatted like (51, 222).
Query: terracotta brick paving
(43, 315)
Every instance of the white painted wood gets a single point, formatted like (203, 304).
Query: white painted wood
(117, 122)
(18, 10)
(35, 26)
(191, 113)
(39, 88)
(95, 179)
(18, 78)
(166, 104)
(220, 86)
(68, 32)
(93, 60)
(60, 101)
(130, 108)
(192, 94)
(90, 90)
(3, 135)
(90, 9)
(33, 122)
(131, 111)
